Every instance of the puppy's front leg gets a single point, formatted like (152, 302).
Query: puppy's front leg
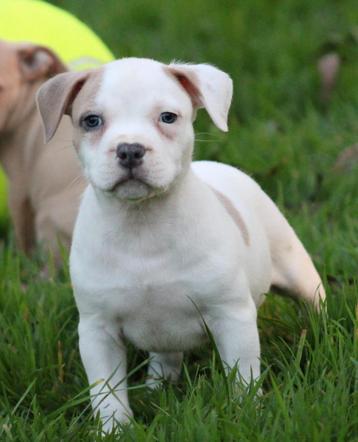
(104, 358)
(236, 336)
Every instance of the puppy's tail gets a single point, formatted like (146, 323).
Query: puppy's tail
(293, 272)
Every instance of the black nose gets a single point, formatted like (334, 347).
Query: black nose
(130, 154)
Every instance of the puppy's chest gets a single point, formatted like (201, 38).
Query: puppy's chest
(152, 293)
(127, 283)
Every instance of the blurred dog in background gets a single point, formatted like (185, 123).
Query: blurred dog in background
(45, 182)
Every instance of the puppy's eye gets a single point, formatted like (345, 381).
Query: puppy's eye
(168, 117)
(92, 122)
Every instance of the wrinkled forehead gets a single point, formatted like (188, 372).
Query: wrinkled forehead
(141, 83)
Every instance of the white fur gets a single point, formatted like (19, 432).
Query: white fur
(142, 269)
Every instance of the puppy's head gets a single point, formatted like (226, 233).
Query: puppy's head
(23, 67)
(133, 118)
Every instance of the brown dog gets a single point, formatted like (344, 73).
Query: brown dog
(45, 181)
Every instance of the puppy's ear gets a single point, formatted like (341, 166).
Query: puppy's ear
(208, 87)
(55, 97)
(37, 62)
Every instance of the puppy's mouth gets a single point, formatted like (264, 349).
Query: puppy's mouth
(130, 177)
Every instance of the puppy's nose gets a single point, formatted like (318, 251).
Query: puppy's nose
(130, 154)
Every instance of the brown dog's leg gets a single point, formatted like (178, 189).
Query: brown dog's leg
(23, 218)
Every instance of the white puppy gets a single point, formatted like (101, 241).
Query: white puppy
(159, 238)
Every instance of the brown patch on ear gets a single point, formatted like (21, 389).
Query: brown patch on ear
(208, 87)
(234, 213)
(85, 101)
(90, 88)
(36, 62)
(190, 88)
(55, 97)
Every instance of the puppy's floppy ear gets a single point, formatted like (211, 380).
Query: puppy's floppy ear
(36, 62)
(54, 99)
(208, 87)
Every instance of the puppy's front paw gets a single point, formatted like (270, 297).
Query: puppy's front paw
(112, 417)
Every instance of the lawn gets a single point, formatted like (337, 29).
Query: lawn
(288, 139)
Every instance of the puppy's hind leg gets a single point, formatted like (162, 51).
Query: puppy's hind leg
(163, 366)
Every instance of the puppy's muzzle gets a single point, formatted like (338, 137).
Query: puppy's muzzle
(130, 155)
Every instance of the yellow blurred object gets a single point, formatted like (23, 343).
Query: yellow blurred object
(39, 22)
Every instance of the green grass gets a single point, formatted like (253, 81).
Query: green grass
(288, 141)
